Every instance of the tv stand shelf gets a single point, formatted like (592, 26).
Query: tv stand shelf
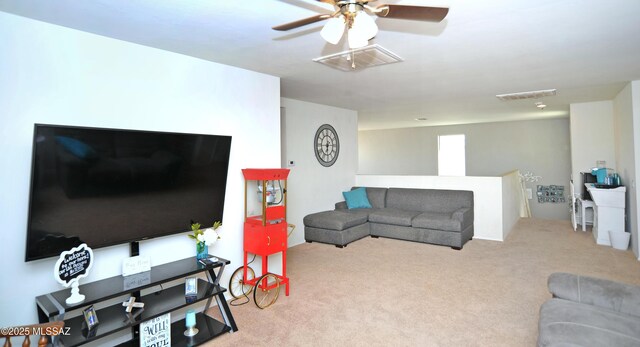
(113, 318)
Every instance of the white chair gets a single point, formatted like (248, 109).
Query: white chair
(579, 210)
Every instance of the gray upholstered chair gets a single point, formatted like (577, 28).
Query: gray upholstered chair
(588, 311)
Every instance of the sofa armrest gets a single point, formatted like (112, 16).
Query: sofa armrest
(342, 205)
(615, 296)
(464, 215)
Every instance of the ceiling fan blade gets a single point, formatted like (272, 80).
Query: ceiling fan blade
(301, 22)
(428, 14)
(332, 2)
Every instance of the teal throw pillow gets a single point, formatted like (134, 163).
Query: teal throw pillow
(357, 198)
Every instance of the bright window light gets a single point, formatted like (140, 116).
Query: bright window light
(451, 158)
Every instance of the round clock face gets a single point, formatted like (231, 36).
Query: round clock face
(326, 145)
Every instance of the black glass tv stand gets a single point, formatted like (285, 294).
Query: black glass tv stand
(159, 301)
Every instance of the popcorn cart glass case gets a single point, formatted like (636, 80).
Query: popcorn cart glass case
(265, 233)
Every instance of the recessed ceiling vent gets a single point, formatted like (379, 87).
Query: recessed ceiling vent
(360, 58)
(527, 95)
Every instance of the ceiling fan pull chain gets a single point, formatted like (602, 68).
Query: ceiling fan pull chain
(353, 59)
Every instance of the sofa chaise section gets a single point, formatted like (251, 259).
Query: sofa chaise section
(335, 227)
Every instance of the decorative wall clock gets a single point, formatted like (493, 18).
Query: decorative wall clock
(326, 145)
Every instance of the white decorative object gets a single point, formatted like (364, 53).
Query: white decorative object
(530, 177)
(524, 178)
(71, 267)
(131, 304)
(135, 265)
(156, 331)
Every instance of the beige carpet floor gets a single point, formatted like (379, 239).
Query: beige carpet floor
(382, 292)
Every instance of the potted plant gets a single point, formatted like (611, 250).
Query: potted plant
(204, 238)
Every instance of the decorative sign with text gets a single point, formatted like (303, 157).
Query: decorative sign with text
(135, 265)
(71, 267)
(156, 332)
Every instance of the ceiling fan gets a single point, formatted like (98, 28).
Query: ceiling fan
(354, 16)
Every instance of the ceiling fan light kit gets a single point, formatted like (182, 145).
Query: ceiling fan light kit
(356, 40)
(334, 29)
(352, 15)
(363, 28)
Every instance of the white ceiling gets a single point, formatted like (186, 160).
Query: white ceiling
(586, 49)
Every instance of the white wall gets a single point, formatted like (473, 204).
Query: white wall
(513, 206)
(591, 137)
(537, 146)
(487, 197)
(51, 74)
(313, 187)
(626, 107)
(636, 145)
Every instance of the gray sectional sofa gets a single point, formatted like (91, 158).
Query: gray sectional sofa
(587, 311)
(442, 217)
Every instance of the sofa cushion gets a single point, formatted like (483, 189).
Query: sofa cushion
(392, 216)
(356, 198)
(377, 197)
(361, 211)
(428, 200)
(334, 220)
(436, 220)
(568, 323)
(616, 296)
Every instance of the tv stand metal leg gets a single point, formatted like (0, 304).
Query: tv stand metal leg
(226, 313)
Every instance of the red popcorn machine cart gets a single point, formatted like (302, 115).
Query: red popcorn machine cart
(265, 233)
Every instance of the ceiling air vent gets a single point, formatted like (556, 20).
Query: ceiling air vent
(359, 58)
(527, 95)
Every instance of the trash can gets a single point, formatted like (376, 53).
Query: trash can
(619, 239)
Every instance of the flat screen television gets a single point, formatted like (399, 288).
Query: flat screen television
(105, 187)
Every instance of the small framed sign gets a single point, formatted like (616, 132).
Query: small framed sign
(191, 286)
(90, 317)
(156, 331)
(71, 266)
(135, 265)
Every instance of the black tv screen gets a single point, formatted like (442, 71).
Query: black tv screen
(104, 187)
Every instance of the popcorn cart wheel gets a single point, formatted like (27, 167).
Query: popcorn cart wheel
(265, 289)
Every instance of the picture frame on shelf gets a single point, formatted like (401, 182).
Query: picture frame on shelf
(90, 317)
(191, 286)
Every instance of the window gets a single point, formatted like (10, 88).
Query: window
(451, 159)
